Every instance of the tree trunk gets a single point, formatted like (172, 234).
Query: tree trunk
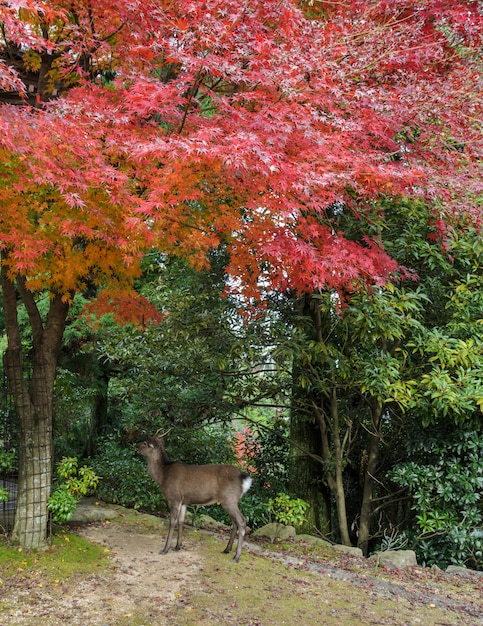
(333, 456)
(35, 457)
(306, 475)
(339, 490)
(32, 392)
(306, 472)
(99, 419)
(332, 451)
(369, 478)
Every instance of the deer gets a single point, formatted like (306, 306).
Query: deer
(182, 484)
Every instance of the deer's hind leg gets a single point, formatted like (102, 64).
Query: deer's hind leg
(238, 524)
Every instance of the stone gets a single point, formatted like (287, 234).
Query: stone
(458, 570)
(205, 521)
(311, 540)
(276, 531)
(397, 559)
(348, 549)
(88, 512)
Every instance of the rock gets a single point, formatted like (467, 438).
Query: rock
(397, 559)
(206, 521)
(457, 570)
(88, 512)
(313, 541)
(276, 531)
(348, 549)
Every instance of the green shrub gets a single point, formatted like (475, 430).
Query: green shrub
(255, 508)
(264, 453)
(123, 472)
(445, 482)
(287, 510)
(123, 478)
(62, 504)
(75, 482)
(198, 446)
(7, 462)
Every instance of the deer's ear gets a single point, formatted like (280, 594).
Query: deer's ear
(151, 442)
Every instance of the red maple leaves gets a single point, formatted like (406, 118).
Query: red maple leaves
(186, 125)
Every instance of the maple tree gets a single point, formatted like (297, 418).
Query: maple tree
(186, 125)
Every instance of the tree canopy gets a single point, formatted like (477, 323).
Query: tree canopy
(184, 125)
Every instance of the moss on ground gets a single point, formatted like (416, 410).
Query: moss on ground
(68, 554)
(261, 591)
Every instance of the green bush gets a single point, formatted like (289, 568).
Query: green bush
(445, 482)
(254, 507)
(62, 504)
(7, 462)
(287, 510)
(264, 452)
(75, 482)
(123, 478)
(211, 444)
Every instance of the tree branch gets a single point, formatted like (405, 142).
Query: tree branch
(32, 311)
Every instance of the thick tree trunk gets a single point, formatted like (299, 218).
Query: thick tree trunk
(35, 460)
(306, 475)
(32, 392)
(306, 471)
(369, 478)
(323, 407)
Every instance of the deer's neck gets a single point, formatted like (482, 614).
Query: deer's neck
(156, 469)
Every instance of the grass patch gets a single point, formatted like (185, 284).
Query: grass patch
(261, 591)
(69, 554)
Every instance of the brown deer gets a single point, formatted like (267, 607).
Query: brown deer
(183, 484)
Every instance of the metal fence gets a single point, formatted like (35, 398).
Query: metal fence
(27, 515)
(9, 433)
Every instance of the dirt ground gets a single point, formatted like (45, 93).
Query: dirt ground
(143, 588)
(142, 579)
(138, 583)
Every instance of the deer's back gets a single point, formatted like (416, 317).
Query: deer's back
(201, 484)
